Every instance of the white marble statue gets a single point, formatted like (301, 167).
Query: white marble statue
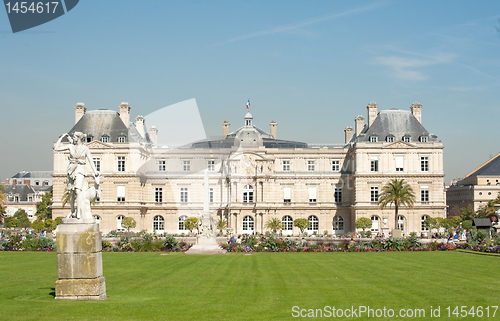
(79, 191)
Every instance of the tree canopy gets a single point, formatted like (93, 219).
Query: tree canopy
(363, 223)
(128, 223)
(302, 224)
(44, 207)
(191, 223)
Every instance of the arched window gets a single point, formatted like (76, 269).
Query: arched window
(159, 224)
(338, 223)
(287, 222)
(313, 223)
(375, 221)
(97, 218)
(248, 224)
(401, 222)
(181, 222)
(422, 223)
(119, 226)
(248, 194)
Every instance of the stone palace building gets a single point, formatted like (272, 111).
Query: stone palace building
(254, 176)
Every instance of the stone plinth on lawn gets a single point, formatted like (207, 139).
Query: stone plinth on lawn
(79, 261)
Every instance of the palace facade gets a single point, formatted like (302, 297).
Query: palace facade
(254, 176)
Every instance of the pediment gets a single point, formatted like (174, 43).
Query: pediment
(98, 144)
(400, 144)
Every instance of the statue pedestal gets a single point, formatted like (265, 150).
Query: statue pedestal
(79, 261)
(206, 245)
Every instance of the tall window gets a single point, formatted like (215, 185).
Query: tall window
(287, 222)
(313, 223)
(286, 165)
(97, 164)
(158, 224)
(399, 163)
(186, 166)
(161, 166)
(374, 223)
(248, 194)
(335, 166)
(424, 164)
(121, 163)
(181, 222)
(310, 166)
(374, 194)
(158, 194)
(211, 195)
(248, 224)
(424, 193)
(120, 193)
(422, 223)
(338, 223)
(184, 195)
(374, 164)
(287, 195)
(338, 195)
(312, 195)
(211, 165)
(119, 226)
(401, 222)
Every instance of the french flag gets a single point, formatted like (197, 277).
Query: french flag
(248, 103)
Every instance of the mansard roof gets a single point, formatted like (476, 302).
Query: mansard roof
(107, 123)
(490, 168)
(19, 189)
(397, 123)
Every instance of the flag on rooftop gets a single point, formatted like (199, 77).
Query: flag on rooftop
(248, 103)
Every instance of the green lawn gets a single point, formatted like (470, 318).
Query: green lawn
(262, 286)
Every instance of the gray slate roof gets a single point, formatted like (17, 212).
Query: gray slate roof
(21, 189)
(394, 122)
(490, 168)
(104, 122)
(482, 222)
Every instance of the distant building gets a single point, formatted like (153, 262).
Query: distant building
(254, 176)
(476, 189)
(25, 189)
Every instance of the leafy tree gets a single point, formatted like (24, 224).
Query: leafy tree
(128, 223)
(432, 223)
(11, 222)
(58, 220)
(302, 224)
(50, 224)
(363, 223)
(191, 223)
(38, 225)
(467, 224)
(221, 224)
(399, 193)
(274, 224)
(467, 213)
(44, 207)
(22, 216)
(3, 199)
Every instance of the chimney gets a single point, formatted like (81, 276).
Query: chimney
(274, 129)
(359, 123)
(372, 109)
(27, 182)
(7, 181)
(80, 110)
(153, 134)
(225, 129)
(14, 181)
(125, 113)
(139, 124)
(348, 134)
(416, 110)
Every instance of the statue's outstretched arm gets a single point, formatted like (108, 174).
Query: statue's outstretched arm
(61, 148)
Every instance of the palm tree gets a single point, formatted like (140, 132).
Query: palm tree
(399, 193)
(274, 224)
(221, 225)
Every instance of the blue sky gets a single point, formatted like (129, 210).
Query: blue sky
(312, 66)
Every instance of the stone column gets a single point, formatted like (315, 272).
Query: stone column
(79, 261)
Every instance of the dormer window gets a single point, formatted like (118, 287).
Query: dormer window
(121, 139)
(406, 138)
(423, 139)
(389, 139)
(105, 138)
(89, 138)
(373, 139)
